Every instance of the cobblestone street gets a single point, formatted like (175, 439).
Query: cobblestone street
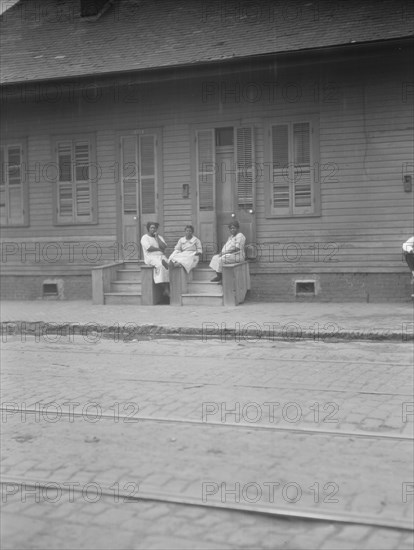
(137, 444)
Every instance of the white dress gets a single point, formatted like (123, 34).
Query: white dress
(408, 246)
(185, 253)
(155, 258)
(238, 241)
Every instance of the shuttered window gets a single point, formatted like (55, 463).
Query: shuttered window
(205, 169)
(129, 174)
(243, 164)
(244, 167)
(13, 210)
(291, 176)
(138, 172)
(76, 181)
(147, 173)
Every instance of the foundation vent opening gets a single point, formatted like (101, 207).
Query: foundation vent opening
(50, 289)
(305, 288)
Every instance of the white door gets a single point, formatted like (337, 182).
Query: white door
(138, 189)
(226, 185)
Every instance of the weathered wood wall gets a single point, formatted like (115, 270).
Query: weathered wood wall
(366, 145)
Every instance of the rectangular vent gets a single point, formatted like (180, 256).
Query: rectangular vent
(50, 289)
(305, 287)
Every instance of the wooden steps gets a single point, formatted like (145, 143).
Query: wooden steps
(126, 289)
(131, 283)
(201, 291)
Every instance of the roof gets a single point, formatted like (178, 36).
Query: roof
(48, 40)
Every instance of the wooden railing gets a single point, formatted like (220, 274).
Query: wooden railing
(101, 281)
(150, 292)
(178, 285)
(236, 283)
(103, 275)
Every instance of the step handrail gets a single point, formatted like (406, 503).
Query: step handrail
(102, 276)
(236, 282)
(151, 293)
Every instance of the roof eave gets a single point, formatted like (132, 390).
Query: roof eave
(309, 55)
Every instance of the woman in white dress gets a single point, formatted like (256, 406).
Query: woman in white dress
(187, 251)
(408, 248)
(153, 246)
(231, 253)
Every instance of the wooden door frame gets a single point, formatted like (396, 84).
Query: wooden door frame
(159, 180)
(234, 123)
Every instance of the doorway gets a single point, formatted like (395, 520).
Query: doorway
(138, 174)
(225, 185)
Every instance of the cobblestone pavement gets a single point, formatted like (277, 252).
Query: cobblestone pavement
(366, 387)
(338, 389)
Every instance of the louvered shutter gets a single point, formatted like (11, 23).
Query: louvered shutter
(147, 173)
(302, 174)
(244, 167)
(83, 191)
(280, 169)
(74, 182)
(65, 185)
(11, 186)
(205, 169)
(3, 212)
(129, 174)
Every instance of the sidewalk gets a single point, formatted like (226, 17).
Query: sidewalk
(288, 321)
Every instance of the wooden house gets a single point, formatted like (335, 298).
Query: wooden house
(294, 117)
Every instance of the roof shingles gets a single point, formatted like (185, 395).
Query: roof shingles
(136, 35)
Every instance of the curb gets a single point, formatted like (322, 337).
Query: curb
(128, 332)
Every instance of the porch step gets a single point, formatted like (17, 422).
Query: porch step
(203, 274)
(132, 264)
(204, 287)
(119, 298)
(202, 300)
(129, 274)
(126, 286)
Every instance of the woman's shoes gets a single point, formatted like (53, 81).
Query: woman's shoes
(217, 279)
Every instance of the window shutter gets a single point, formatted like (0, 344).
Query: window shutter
(3, 213)
(75, 189)
(245, 167)
(15, 185)
(83, 184)
(205, 169)
(302, 176)
(129, 174)
(280, 169)
(65, 187)
(147, 173)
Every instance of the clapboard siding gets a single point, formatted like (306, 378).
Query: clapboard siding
(365, 130)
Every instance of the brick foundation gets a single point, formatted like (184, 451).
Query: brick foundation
(25, 287)
(329, 287)
(333, 287)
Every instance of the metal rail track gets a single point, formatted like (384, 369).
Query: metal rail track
(220, 357)
(260, 509)
(197, 384)
(251, 427)
(277, 511)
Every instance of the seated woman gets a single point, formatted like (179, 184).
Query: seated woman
(408, 248)
(187, 251)
(231, 253)
(153, 246)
